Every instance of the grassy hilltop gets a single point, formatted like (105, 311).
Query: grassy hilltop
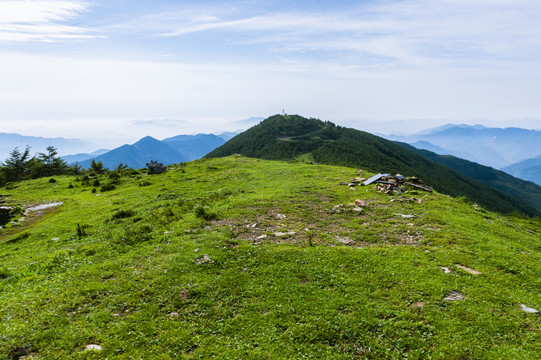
(287, 137)
(238, 258)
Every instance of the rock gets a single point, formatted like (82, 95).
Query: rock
(346, 241)
(280, 216)
(419, 201)
(406, 216)
(184, 294)
(55, 239)
(446, 270)
(468, 270)
(454, 296)
(92, 347)
(357, 209)
(261, 237)
(417, 305)
(528, 309)
(205, 259)
(343, 183)
(361, 203)
(279, 234)
(174, 314)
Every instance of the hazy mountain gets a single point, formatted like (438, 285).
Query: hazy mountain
(528, 170)
(228, 135)
(169, 151)
(138, 154)
(525, 190)
(493, 147)
(8, 142)
(292, 137)
(70, 159)
(193, 147)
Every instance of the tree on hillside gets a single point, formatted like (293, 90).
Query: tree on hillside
(16, 165)
(49, 164)
(97, 167)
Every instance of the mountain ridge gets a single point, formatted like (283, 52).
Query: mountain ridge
(495, 147)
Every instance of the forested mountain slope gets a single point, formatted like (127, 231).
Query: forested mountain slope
(525, 190)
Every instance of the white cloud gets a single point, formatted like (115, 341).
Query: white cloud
(42, 20)
(407, 32)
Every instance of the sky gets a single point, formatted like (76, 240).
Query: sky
(121, 69)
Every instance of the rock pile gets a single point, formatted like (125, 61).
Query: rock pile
(388, 184)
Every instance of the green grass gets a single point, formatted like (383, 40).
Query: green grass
(134, 279)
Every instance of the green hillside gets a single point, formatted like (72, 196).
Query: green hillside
(524, 190)
(240, 258)
(288, 137)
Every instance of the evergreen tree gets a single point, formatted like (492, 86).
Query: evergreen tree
(49, 164)
(97, 167)
(15, 167)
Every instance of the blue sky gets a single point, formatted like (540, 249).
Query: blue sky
(122, 69)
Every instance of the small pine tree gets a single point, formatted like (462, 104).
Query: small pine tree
(15, 168)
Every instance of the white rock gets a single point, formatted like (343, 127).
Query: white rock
(528, 309)
(93, 347)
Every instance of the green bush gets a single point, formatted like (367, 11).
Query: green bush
(203, 212)
(123, 214)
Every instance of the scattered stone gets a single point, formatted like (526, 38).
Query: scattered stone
(205, 259)
(279, 234)
(346, 241)
(406, 216)
(174, 314)
(280, 216)
(55, 239)
(468, 270)
(357, 209)
(343, 183)
(184, 294)
(528, 309)
(261, 237)
(446, 270)
(454, 296)
(419, 201)
(92, 347)
(361, 203)
(418, 305)
(196, 250)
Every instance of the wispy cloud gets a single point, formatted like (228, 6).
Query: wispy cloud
(43, 20)
(409, 32)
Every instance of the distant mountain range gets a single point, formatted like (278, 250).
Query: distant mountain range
(8, 142)
(493, 147)
(528, 170)
(70, 159)
(169, 151)
(293, 137)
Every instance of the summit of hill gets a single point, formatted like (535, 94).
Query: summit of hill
(293, 137)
